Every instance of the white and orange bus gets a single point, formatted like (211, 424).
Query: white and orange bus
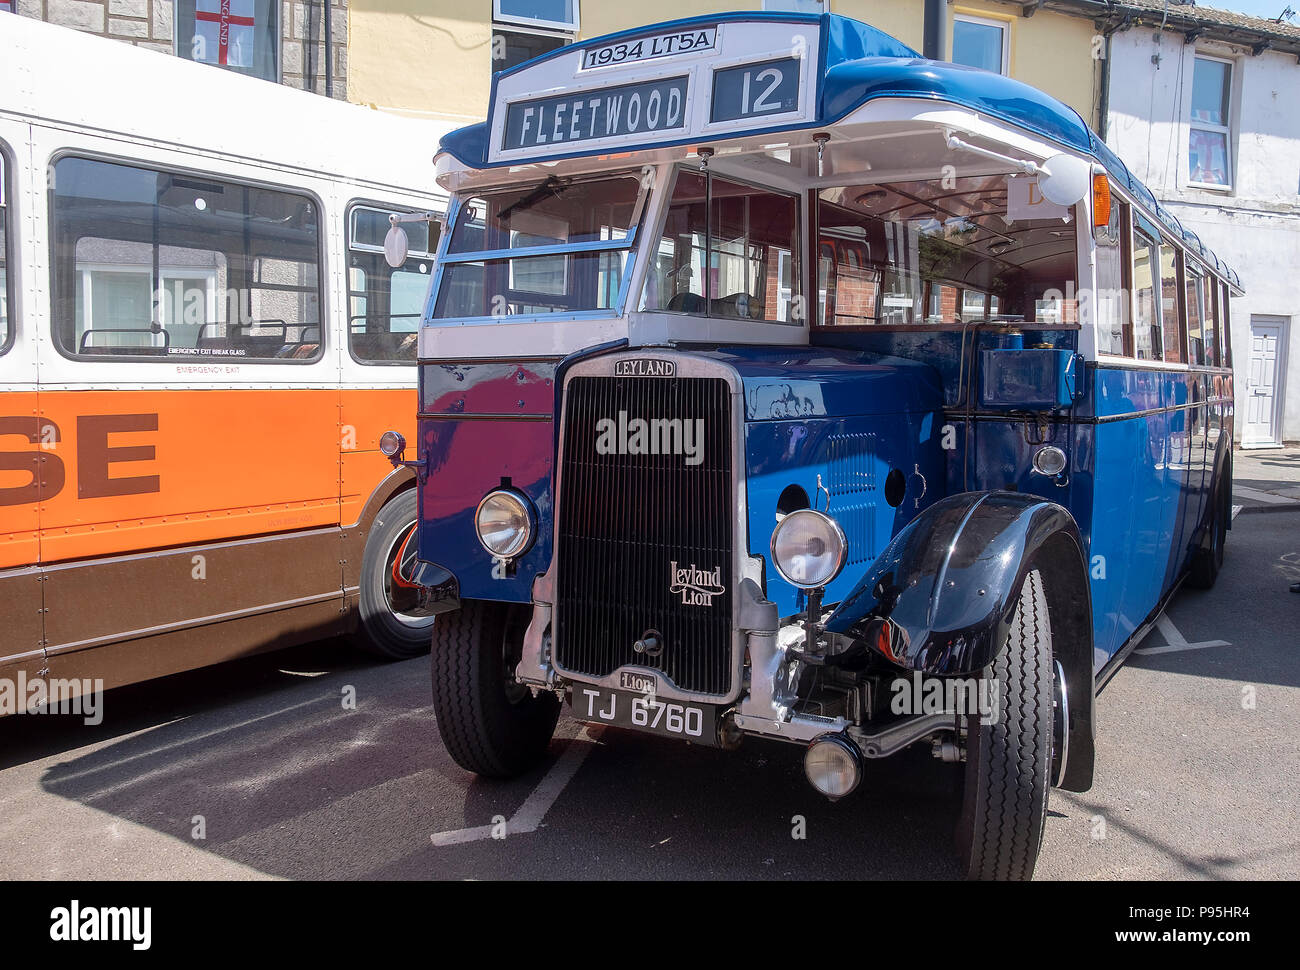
(200, 345)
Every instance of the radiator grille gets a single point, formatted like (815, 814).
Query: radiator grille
(625, 518)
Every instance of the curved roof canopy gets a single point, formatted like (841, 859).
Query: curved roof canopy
(858, 63)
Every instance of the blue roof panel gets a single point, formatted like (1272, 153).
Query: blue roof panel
(861, 63)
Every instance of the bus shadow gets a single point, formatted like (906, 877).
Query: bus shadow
(1249, 609)
(281, 776)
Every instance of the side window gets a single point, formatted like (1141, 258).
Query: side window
(385, 304)
(1225, 329)
(1196, 317)
(735, 252)
(1210, 328)
(6, 328)
(161, 265)
(1170, 305)
(1114, 327)
(1147, 344)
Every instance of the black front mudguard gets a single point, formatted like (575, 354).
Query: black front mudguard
(949, 583)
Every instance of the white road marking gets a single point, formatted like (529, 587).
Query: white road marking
(1268, 498)
(530, 814)
(1236, 509)
(1176, 642)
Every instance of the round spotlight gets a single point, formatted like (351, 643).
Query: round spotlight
(504, 522)
(808, 548)
(833, 765)
(391, 444)
(1049, 461)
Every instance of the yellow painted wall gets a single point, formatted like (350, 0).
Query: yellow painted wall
(1051, 51)
(427, 57)
(433, 57)
(903, 19)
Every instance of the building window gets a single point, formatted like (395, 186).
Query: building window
(797, 6)
(1210, 137)
(547, 14)
(239, 35)
(510, 48)
(6, 6)
(524, 29)
(980, 42)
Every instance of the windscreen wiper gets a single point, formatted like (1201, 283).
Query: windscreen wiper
(552, 187)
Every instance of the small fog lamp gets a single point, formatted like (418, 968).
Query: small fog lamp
(833, 765)
(391, 444)
(1049, 461)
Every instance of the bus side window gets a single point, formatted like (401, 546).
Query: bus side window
(1225, 329)
(1146, 311)
(385, 304)
(6, 332)
(1114, 325)
(1171, 305)
(159, 265)
(1210, 329)
(1196, 321)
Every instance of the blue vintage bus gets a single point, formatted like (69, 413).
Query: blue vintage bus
(776, 381)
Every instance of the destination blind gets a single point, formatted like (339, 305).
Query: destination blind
(629, 109)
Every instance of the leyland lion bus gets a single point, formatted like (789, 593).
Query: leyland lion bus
(775, 380)
(200, 344)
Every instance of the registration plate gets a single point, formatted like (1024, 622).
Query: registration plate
(646, 712)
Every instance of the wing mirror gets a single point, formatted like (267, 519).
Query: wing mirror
(396, 242)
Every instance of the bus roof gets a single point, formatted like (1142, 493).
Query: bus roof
(855, 63)
(120, 91)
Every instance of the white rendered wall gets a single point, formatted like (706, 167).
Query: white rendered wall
(1254, 226)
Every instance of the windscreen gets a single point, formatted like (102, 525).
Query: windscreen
(557, 246)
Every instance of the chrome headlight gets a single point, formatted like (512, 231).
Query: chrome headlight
(808, 548)
(504, 522)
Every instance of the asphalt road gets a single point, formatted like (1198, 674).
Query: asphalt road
(280, 777)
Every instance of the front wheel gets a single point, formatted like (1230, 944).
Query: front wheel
(1008, 761)
(490, 723)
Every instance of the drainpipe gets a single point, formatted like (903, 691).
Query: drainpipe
(1103, 107)
(932, 43)
(329, 49)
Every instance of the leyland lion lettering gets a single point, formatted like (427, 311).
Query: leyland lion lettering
(809, 414)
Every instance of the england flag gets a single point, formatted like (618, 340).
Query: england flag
(223, 32)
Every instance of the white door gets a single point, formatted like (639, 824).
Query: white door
(1262, 383)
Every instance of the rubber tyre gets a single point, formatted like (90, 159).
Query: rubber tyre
(1207, 561)
(1008, 763)
(380, 631)
(484, 728)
